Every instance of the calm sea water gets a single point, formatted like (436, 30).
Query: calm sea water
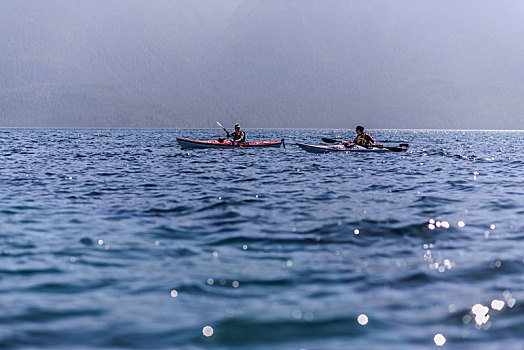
(120, 239)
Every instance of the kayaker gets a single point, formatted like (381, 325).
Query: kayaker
(362, 139)
(238, 135)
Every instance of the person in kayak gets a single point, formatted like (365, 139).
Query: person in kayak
(238, 135)
(362, 139)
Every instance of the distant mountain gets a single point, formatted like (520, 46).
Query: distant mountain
(265, 63)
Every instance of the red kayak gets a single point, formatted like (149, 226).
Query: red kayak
(224, 143)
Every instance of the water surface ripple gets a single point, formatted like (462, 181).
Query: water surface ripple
(119, 239)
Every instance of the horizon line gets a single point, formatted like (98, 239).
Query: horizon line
(211, 128)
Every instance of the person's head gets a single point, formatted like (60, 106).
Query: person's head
(237, 126)
(359, 129)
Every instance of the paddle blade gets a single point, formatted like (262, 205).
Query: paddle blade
(326, 140)
(402, 148)
(396, 149)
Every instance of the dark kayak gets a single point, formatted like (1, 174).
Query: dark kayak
(350, 149)
(224, 143)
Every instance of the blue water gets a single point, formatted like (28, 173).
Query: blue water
(116, 239)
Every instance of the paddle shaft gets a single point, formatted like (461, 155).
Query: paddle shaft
(227, 132)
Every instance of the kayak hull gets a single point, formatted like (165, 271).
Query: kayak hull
(352, 149)
(188, 144)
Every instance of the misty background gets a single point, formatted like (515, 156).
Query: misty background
(264, 63)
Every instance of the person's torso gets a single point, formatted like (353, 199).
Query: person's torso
(238, 136)
(362, 139)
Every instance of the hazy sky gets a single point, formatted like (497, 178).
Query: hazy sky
(265, 63)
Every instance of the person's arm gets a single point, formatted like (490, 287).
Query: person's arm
(370, 139)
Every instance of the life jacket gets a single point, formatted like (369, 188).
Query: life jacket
(363, 139)
(238, 137)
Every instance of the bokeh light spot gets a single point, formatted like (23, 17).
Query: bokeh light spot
(439, 339)
(497, 305)
(363, 319)
(207, 331)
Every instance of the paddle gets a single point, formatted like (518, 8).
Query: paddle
(326, 140)
(227, 132)
(402, 146)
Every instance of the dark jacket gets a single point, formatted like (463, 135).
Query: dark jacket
(364, 139)
(239, 136)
